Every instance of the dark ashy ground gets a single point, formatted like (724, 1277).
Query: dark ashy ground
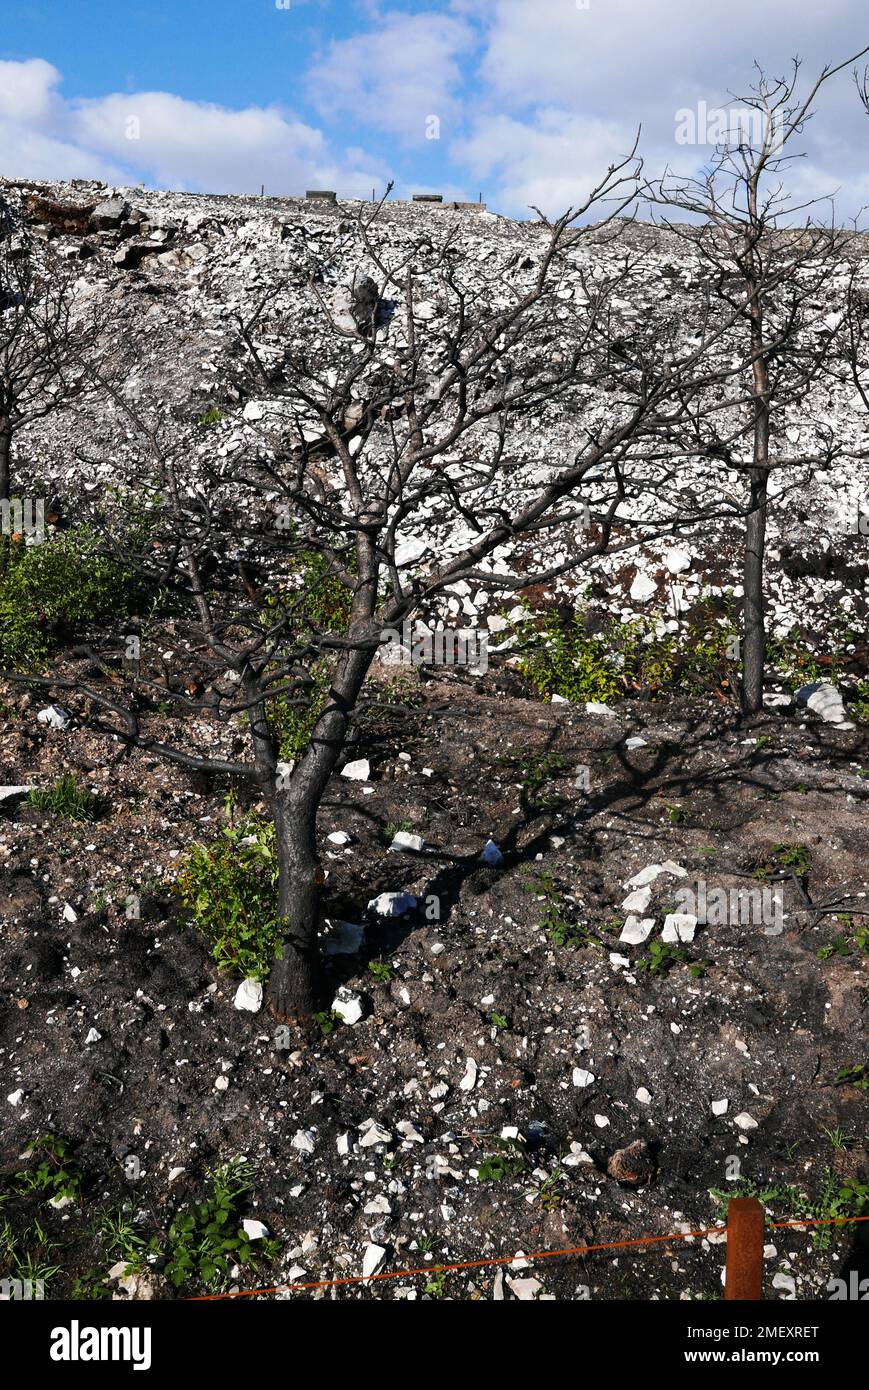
(516, 974)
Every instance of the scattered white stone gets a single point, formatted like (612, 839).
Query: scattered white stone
(596, 707)
(378, 1206)
(7, 793)
(720, 1107)
(679, 926)
(254, 1230)
(343, 938)
(744, 1121)
(373, 1260)
(348, 1005)
(646, 875)
(786, 1282)
(635, 932)
(358, 771)
(55, 716)
(559, 700)
(469, 1080)
(371, 1133)
(643, 588)
(304, 1140)
(677, 561)
(823, 699)
(249, 996)
(638, 900)
(582, 1078)
(636, 742)
(60, 1202)
(222, 1083)
(69, 913)
(15, 1097)
(344, 1144)
(339, 837)
(403, 839)
(601, 1121)
(92, 1037)
(526, 1290)
(392, 904)
(643, 1096)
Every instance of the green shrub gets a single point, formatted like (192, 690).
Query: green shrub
(47, 589)
(562, 657)
(230, 889)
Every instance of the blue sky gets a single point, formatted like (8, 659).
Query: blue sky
(524, 100)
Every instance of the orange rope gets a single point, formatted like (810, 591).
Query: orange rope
(510, 1259)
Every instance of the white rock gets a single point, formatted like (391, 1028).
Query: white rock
(372, 1133)
(635, 931)
(249, 996)
(643, 588)
(92, 1037)
(823, 699)
(392, 904)
(8, 793)
(358, 771)
(647, 875)
(786, 1282)
(636, 742)
(55, 716)
(405, 840)
(348, 1005)
(378, 1206)
(559, 700)
(69, 913)
(677, 561)
(304, 1140)
(254, 1230)
(719, 1107)
(582, 1078)
(526, 1290)
(15, 1097)
(643, 1096)
(679, 926)
(601, 1121)
(373, 1260)
(639, 900)
(343, 938)
(339, 837)
(490, 854)
(344, 1144)
(596, 707)
(469, 1080)
(744, 1121)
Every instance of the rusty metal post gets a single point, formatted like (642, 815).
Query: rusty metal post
(744, 1274)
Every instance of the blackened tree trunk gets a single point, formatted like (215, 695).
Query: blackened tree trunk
(5, 460)
(754, 625)
(295, 981)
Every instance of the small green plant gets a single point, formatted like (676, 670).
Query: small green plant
(381, 970)
(436, 1285)
(55, 1176)
(207, 1239)
(498, 1021)
(508, 1161)
(838, 1138)
(676, 814)
(562, 932)
(327, 1021)
(230, 889)
(67, 799)
(211, 417)
(857, 1075)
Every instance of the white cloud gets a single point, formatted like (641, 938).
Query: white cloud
(397, 75)
(167, 140)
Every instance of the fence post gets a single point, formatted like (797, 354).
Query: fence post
(744, 1274)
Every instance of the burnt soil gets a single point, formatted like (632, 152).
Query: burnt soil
(767, 1022)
